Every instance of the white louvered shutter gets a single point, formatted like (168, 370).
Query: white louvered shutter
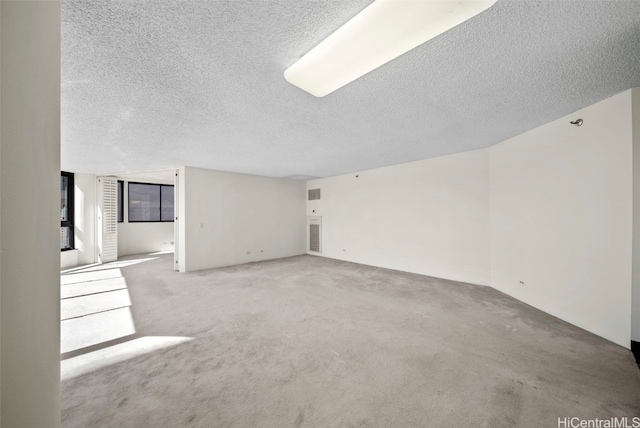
(107, 219)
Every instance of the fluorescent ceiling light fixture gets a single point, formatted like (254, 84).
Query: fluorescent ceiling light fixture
(383, 31)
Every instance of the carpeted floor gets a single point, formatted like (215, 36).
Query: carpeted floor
(313, 342)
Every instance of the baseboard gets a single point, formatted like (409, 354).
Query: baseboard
(635, 348)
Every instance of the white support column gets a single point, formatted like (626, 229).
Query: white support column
(30, 211)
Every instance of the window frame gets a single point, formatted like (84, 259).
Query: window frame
(129, 183)
(70, 210)
(121, 202)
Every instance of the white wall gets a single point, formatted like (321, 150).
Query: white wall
(85, 217)
(29, 223)
(551, 207)
(68, 259)
(635, 309)
(139, 238)
(429, 217)
(561, 210)
(235, 218)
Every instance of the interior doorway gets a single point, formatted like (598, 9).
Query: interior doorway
(147, 207)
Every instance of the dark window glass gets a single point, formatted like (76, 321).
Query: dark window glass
(166, 199)
(64, 198)
(120, 201)
(66, 211)
(144, 202)
(150, 202)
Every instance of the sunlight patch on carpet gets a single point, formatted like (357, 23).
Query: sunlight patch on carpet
(92, 361)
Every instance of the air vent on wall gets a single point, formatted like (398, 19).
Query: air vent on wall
(314, 238)
(314, 194)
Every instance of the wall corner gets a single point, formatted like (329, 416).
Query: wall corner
(635, 289)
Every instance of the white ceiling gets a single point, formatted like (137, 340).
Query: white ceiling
(165, 176)
(155, 84)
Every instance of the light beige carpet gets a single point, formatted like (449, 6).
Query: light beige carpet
(312, 342)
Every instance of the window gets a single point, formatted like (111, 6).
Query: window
(66, 211)
(120, 201)
(166, 203)
(150, 202)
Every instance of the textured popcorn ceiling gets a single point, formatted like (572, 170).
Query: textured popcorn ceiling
(156, 84)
